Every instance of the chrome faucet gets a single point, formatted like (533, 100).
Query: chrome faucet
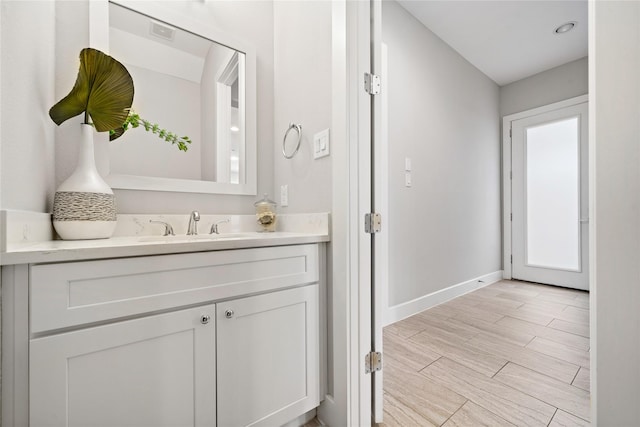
(214, 226)
(192, 229)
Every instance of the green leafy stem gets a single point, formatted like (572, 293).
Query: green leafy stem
(134, 120)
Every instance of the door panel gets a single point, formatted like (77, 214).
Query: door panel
(154, 371)
(550, 205)
(268, 357)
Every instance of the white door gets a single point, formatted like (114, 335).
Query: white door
(550, 197)
(268, 361)
(154, 371)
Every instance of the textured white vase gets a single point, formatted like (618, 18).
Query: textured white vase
(84, 206)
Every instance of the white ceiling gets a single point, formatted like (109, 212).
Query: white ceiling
(507, 40)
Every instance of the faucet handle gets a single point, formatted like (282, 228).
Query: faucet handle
(168, 229)
(214, 226)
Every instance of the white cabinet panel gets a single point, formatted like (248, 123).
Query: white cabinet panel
(268, 357)
(64, 295)
(154, 371)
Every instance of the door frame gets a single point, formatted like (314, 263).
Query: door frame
(507, 250)
(348, 399)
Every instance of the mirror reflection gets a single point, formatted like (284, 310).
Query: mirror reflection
(185, 83)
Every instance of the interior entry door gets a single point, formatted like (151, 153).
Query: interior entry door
(550, 197)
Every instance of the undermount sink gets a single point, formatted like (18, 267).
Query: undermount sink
(198, 237)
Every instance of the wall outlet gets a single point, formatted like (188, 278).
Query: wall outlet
(407, 179)
(321, 144)
(284, 195)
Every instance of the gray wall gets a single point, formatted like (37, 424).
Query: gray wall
(444, 114)
(557, 84)
(302, 92)
(615, 103)
(27, 85)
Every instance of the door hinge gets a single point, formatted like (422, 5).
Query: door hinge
(510, 133)
(511, 259)
(372, 223)
(372, 362)
(372, 84)
(511, 217)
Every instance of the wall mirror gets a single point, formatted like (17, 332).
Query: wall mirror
(192, 82)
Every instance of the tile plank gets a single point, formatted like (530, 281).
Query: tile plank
(574, 300)
(564, 371)
(430, 399)
(519, 337)
(492, 297)
(466, 309)
(472, 415)
(583, 379)
(474, 358)
(406, 327)
(560, 351)
(575, 315)
(397, 414)
(413, 356)
(461, 331)
(515, 296)
(509, 404)
(571, 340)
(531, 315)
(562, 419)
(571, 327)
(549, 390)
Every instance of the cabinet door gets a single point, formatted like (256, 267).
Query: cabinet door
(268, 357)
(154, 371)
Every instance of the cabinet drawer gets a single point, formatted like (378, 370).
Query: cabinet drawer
(64, 295)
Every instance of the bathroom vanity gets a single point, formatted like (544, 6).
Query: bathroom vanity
(225, 331)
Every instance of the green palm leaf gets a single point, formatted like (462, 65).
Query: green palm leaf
(103, 89)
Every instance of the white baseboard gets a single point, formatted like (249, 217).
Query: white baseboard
(328, 412)
(409, 308)
(301, 420)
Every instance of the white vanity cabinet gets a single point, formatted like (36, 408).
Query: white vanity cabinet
(226, 338)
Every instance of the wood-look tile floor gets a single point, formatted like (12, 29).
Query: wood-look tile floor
(509, 354)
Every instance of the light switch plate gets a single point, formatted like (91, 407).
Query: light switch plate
(321, 144)
(407, 179)
(407, 164)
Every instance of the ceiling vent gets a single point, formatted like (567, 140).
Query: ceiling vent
(162, 30)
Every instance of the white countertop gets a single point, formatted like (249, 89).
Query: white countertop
(28, 249)
(116, 247)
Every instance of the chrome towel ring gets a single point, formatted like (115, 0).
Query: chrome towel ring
(298, 128)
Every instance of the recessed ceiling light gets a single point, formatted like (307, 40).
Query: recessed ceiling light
(234, 129)
(565, 27)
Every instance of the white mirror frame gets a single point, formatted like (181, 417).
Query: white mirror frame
(99, 39)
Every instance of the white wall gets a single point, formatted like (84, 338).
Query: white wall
(444, 115)
(557, 84)
(27, 87)
(302, 93)
(615, 170)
